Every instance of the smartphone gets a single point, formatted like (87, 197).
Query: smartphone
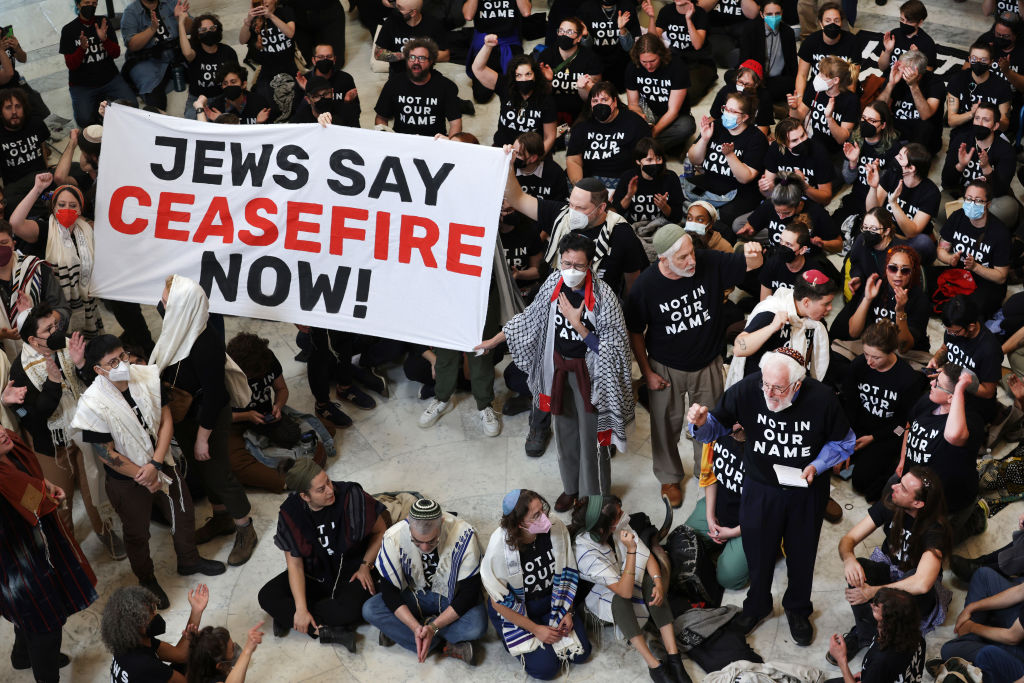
(7, 32)
(257, 3)
(269, 417)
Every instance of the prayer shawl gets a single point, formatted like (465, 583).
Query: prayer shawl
(502, 575)
(187, 311)
(599, 563)
(27, 277)
(7, 419)
(603, 242)
(458, 557)
(34, 364)
(531, 341)
(70, 253)
(801, 329)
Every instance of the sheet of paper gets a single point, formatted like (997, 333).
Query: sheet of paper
(789, 476)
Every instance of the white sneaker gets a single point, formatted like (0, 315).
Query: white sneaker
(434, 412)
(491, 421)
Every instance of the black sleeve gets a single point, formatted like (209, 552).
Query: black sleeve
(467, 594)
(675, 198)
(52, 292)
(392, 596)
(759, 321)
(1003, 166)
(634, 258)
(38, 403)
(96, 437)
(385, 101)
(952, 181)
(452, 105)
(208, 358)
(547, 211)
(880, 514)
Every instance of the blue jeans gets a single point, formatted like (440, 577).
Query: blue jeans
(469, 626)
(998, 663)
(85, 99)
(543, 664)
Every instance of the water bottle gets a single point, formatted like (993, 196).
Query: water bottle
(178, 75)
(307, 444)
(687, 168)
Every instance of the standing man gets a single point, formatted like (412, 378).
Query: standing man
(571, 342)
(430, 595)
(677, 334)
(421, 99)
(796, 431)
(22, 148)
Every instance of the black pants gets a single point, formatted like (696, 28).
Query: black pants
(770, 515)
(330, 361)
(221, 485)
(515, 379)
(42, 650)
(875, 463)
(344, 609)
(877, 574)
(136, 332)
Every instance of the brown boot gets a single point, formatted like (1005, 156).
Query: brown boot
(245, 543)
(674, 494)
(220, 524)
(833, 512)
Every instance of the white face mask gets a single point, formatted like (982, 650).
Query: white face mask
(695, 227)
(820, 83)
(572, 277)
(577, 219)
(119, 374)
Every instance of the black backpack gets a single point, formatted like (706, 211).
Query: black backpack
(693, 572)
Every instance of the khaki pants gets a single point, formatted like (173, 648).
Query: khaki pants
(668, 414)
(67, 470)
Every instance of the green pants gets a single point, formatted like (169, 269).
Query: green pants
(625, 617)
(481, 368)
(732, 563)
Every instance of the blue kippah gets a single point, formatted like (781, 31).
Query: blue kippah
(508, 503)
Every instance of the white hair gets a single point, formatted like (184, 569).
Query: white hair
(796, 372)
(676, 246)
(422, 527)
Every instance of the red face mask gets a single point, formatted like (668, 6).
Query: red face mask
(66, 217)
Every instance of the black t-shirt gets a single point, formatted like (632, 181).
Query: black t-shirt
(429, 567)
(276, 51)
(982, 355)
(97, 67)
(395, 33)
(625, 255)
(883, 517)
(846, 109)
(727, 464)
(814, 48)
(765, 217)
(642, 206)
(751, 146)
(777, 339)
(990, 246)
(251, 107)
(538, 562)
(655, 88)
(263, 388)
(520, 244)
(346, 112)
(603, 28)
(775, 274)
(886, 666)
(564, 84)
(924, 196)
(1000, 155)
(918, 309)
(908, 117)
(21, 151)
(922, 41)
(527, 116)
(765, 114)
(1013, 314)
(325, 526)
(681, 319)
(815, 165)
(497, 16)
(419, 109)
(879, 403)
(955, 465)
(607, 148)
(793, 437)
(552, 183)
(676, 32)
(140, 665)
(967, 91)
(202, 71)
(727, 13)
(870, 152)
(568, 342)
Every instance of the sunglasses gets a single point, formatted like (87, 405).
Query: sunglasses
(902, 270)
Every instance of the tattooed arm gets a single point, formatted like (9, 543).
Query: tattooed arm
(114, 460)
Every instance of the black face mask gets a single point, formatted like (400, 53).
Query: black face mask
(160, 308)
(871, 239)
(979, 68)
(519, 163)
(87, 12)
(403, 17)
(211, 37)
(325, 105)
(57, 341)
(868, 130)
(324, 66)
(889, 178)
(802, 148)
(907, 28)
(232, 92)
(653, 170)
(601, 111)
(564, 42)
(1001, 43)
(832, 31)
(157, 627)
(981, 132)
(785, 253)
(525, 87)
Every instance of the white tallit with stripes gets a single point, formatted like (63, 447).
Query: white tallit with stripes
(71, 255)
(600, 564)
(603, 242)
(458, 557)
(71, 388)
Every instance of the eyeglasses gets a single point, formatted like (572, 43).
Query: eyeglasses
(775, 389)
(731, 111)
(976, 201)
(207, 30)
(567, 32)
(935, 383)
(873, 122)
(902, 270)
(418, 58)
(580, 267)
(114, 362)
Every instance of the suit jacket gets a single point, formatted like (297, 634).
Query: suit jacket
(754, 46)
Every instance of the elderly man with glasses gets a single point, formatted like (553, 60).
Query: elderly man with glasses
(796, 431)
(430, 593)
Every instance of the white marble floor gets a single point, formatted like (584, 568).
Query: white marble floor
(452, 462)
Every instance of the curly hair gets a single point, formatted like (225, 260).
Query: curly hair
(514, 533)
(541, 86)
(252, 353)
(915, 262)
(125, 617)
(900, 626)
(208, 649)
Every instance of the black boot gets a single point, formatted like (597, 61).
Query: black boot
(340, 635)
(675, 664)
(661, 674)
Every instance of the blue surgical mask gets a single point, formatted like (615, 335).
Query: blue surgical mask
(773, 22)
(974, 211)
(729, 120)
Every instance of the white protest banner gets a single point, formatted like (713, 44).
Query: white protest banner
(379, 233)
